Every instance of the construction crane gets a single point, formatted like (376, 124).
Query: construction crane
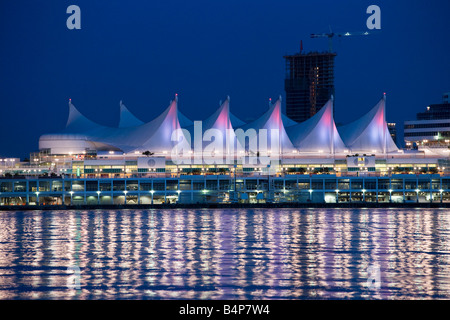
(332, 34)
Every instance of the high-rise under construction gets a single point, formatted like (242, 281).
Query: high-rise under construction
(309, 83)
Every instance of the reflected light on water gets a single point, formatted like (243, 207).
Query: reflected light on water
(225, 254)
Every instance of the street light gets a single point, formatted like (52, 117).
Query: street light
(125, 193)
(71, 197)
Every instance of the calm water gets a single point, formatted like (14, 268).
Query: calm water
(226, 254)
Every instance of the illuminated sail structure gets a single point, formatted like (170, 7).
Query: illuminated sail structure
(318, 134)
(157, 135)
(82, 134)
(75, 137)
(215, 136)
(370, 133)
(271, 136)
(287, 122)
(77, 122)
(127, 119)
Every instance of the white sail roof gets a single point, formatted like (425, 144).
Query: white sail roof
(287, 122)
(154, 136)
(273, 123)
(218, 132)
(273, 133)
(318, 134)
(127, 119)
(235, 121)
(77, 122)
(158, 133)
(369, 133)
(75, 137)
(220, 119)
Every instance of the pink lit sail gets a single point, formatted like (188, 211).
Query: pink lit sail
(273, 122)
(317, 134)
(370, 133)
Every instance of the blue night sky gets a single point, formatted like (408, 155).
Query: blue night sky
(146, 51)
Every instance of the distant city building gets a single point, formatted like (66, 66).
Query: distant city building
(435, 112)
(432, 127)
(392, 127)
(445, 97)
(309, 83)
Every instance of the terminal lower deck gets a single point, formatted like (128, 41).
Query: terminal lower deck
(225, 189)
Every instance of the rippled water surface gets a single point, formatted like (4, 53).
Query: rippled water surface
(226, 254)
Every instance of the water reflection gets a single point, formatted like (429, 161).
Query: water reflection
(225, 254)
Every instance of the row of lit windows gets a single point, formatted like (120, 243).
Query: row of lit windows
(427, 125)
(427, 134)
(314, 184)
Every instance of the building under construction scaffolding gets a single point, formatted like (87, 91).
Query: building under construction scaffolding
(309, 83)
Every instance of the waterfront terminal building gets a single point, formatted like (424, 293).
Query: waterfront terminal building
(273, 159)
